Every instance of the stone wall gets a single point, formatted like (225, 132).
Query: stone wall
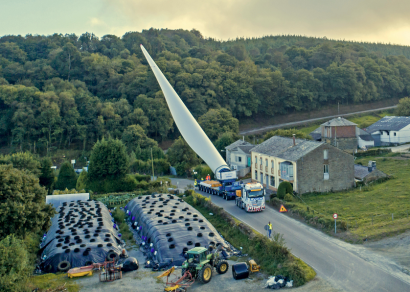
(310, 170)
(343, 143)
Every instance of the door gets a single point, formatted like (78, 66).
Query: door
(261, 178)
(267, 180)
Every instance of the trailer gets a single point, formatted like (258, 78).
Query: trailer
(223, 188)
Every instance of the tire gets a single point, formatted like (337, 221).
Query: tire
(64, 266)
(222, 267)
(112, 256)
(205, 274)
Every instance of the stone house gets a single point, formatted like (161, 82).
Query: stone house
(310, 166)
(343, 134)
(368, 173)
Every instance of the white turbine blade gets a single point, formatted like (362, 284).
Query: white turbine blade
(187, 125)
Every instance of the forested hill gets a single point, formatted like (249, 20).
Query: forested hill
(63, 88)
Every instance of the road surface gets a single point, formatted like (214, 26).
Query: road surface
(345, 266)
(401, 148)
(271, 127)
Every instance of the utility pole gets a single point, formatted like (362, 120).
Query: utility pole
(152, 161)
(337, 108)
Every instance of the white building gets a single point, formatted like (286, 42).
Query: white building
(390, 131)
(238, 157)
(364, 139)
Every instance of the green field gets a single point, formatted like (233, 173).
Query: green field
(368, 210)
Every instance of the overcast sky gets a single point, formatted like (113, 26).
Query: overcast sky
(360, 20)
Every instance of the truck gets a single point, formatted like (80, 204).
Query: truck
(247, 197)
(251, 197)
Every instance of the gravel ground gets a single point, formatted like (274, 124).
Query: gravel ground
(144, 280)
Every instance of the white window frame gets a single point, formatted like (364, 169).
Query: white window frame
(325, 154)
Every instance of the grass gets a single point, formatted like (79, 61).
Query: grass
(50, 282)
(119, 216)
(368, 210)
(274, 258)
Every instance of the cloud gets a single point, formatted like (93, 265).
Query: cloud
(96, 22)
(367, 20)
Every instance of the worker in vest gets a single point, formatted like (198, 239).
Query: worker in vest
(269, 228)
(195, 184)
(208, 177)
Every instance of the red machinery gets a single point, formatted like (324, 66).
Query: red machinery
(178, 284)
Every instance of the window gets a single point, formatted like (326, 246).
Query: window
(325, 152)
(272, 164)
(256, 159)
(267, 180)
(326, 171)
(394, 133)
(239, 159)
(290, 170)
(260, 161)
(256, 174)
(261, 178)
(266, 161)
(272, 181)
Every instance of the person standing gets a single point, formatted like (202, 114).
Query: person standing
(195, 184)
(269, 229)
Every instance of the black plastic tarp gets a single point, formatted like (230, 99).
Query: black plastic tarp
(172, 226)
(81, 233)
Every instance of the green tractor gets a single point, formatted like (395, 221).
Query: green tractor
(200, 263)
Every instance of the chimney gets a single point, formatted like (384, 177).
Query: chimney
(371, 166)
(294, 140)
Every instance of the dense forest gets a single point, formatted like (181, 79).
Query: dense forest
(62, 89)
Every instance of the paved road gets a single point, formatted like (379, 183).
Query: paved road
(345, 266)
(401, 148)
(271, 127)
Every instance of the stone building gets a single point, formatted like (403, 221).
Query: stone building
(310, 166)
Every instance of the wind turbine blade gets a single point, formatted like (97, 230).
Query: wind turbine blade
(186, 123)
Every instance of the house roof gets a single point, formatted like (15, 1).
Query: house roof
(246, 148)
(282, 147)
(391, 123)
(367, 137)
(316, 134)
(339, 122)
(238, 143)
(360, 171)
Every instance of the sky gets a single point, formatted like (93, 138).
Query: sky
(359, 20)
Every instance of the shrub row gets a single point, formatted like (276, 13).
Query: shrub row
(273, 256)
(372, 152)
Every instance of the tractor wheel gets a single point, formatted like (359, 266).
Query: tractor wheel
(222, 267)
(205, 274)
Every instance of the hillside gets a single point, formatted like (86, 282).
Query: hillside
(60, 90)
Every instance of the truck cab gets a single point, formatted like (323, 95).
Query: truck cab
(251, 197)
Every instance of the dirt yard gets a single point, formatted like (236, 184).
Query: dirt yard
(144, 280)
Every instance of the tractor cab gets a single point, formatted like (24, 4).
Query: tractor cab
(197, 255)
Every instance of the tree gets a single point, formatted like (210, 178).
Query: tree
(403, 108)
(181, 156)
(22, 203)
(283, 189)
(82, 181)
(218, 121)
(14, 264)
(67, 178)
(134, 136)
(23, 161)
(224, 139)
(109, 159)
(287, 133)
(47, 174)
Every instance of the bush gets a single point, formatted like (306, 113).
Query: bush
(283, 189)
(82, 181)
(140, 177)
(67, 178)
(14, 264)
(288, 198)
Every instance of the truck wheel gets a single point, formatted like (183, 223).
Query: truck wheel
(222, 267)
(205, 274)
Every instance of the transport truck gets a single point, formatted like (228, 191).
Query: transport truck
(251, 197)
(248, 197)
